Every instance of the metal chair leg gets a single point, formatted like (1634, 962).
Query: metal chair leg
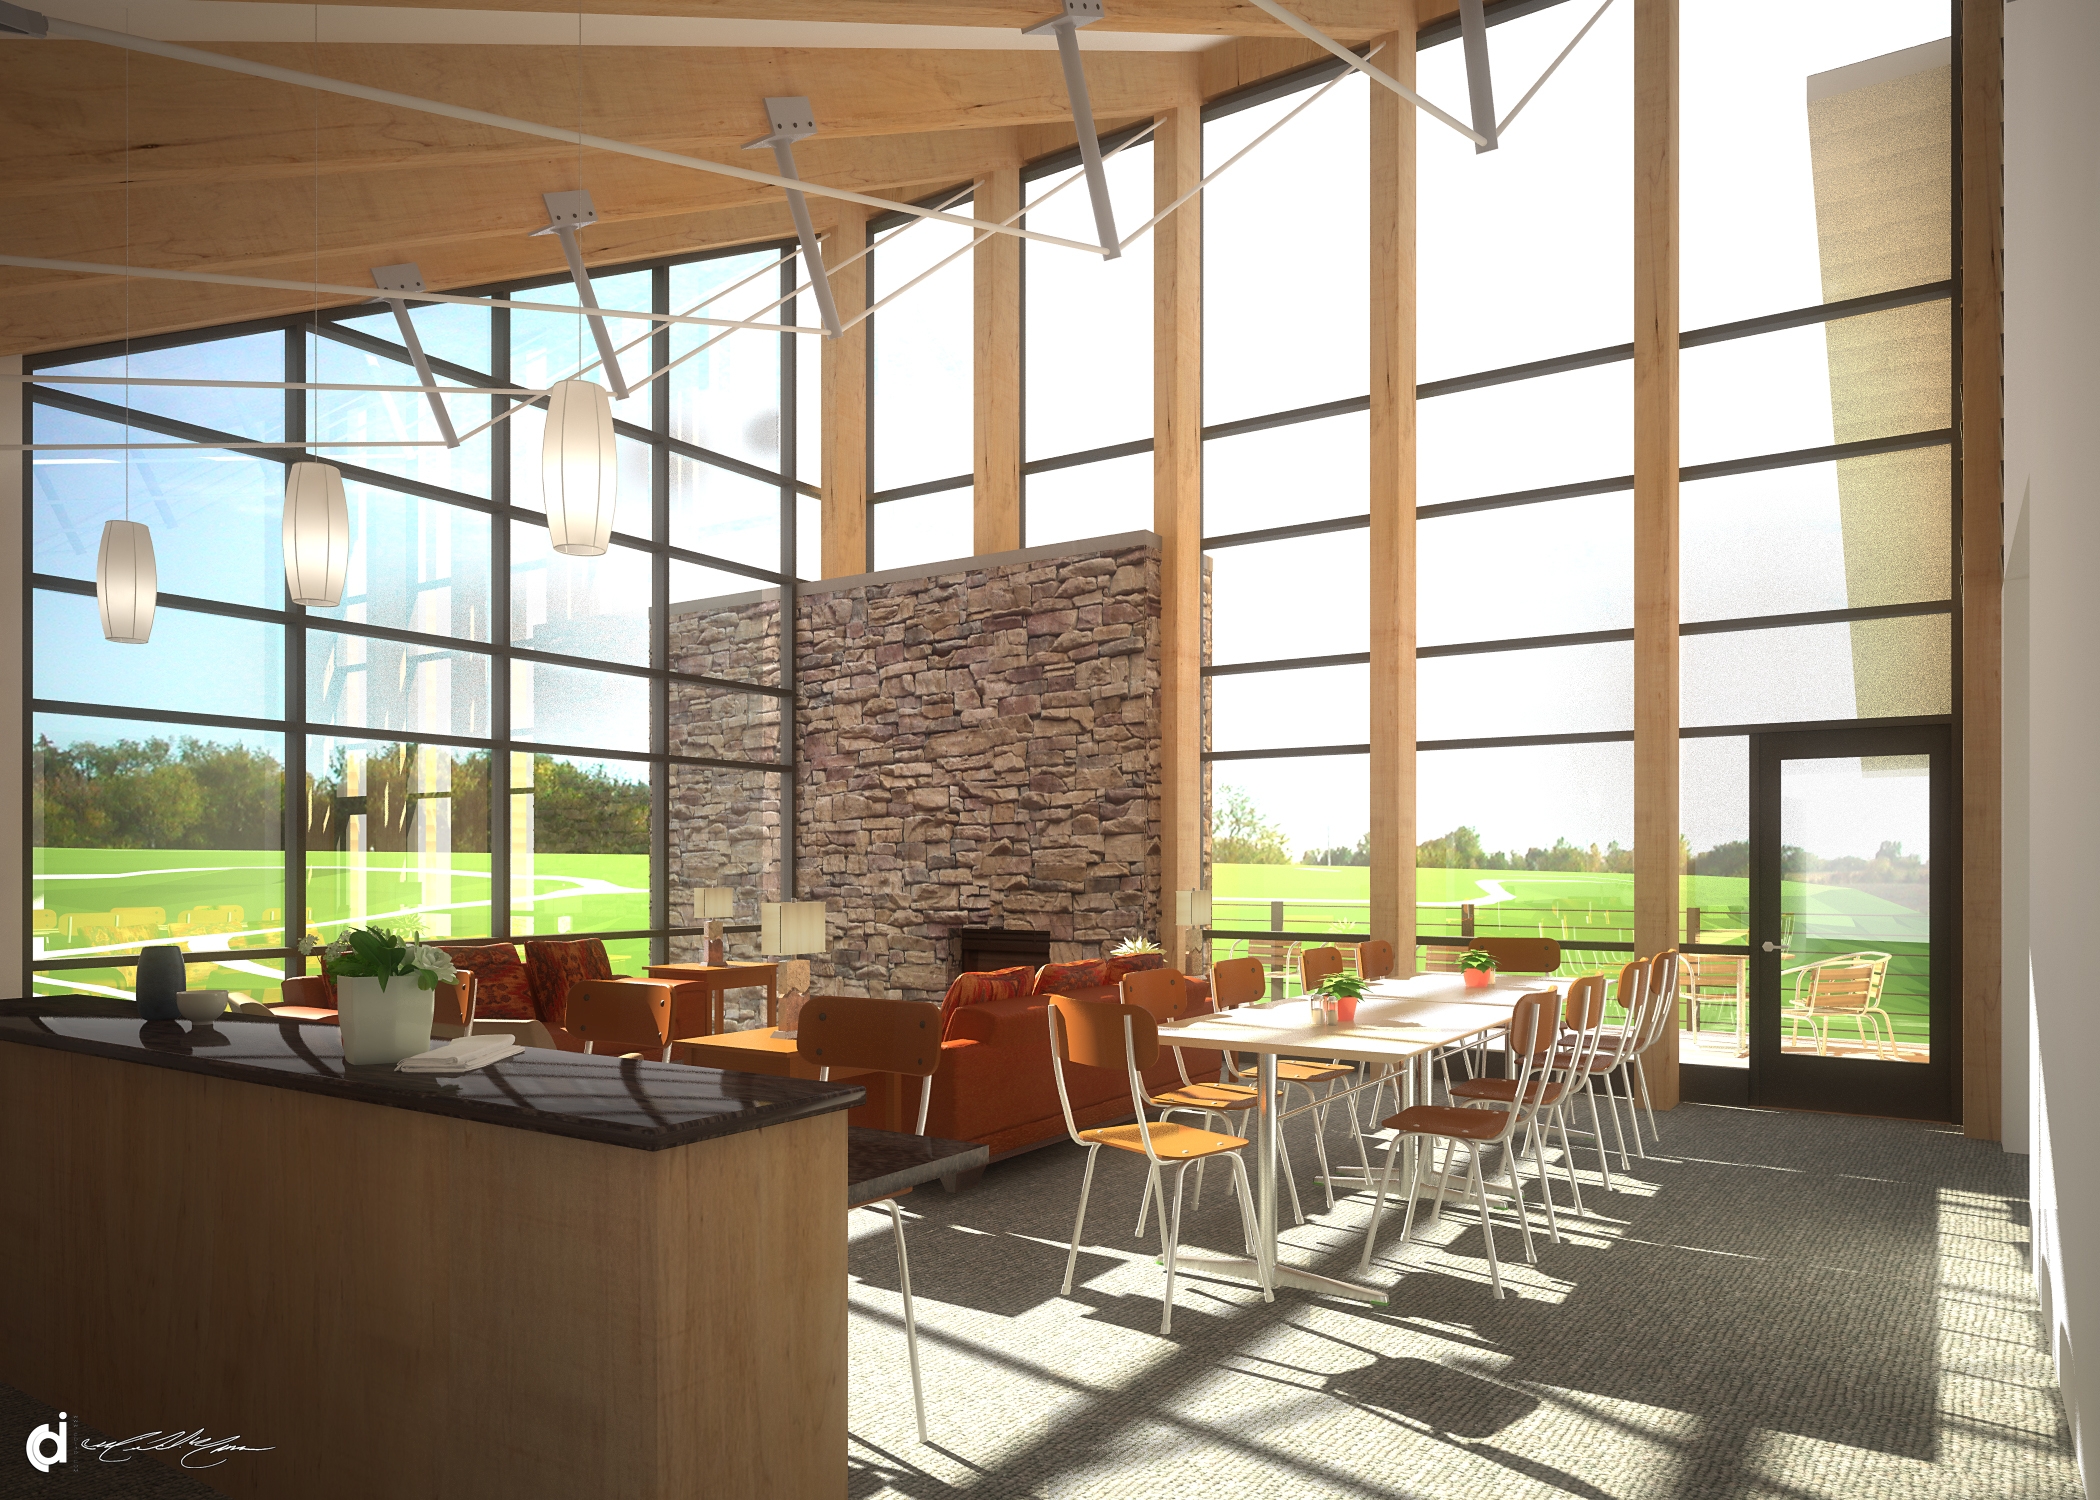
(1516, 1191)
(911, 1321)
(1170, 1233)
(1567, 1154)
(1597, 1133)
(1086, 1185)
(1612, 1101)
(1633, 1104)
(1640, 1072)
(1538, 1159)
(1385, 1181)
(1487, 1223)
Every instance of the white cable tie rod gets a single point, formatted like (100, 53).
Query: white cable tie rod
(977, 240)
(1552, 67)
(61, 27)
(1303, 105)
(566, 212)
(200, 383)
(327, 288)
(407, 278)
(277, 447)
(1320, 38)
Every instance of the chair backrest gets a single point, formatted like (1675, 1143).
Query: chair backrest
(1704, 973)
(1841, 987)
(1545, 1035)
(1583, 1015)
(1662, 991)
(1315, 964)
(309, 990)
(1164, 993)
(621, 1015)
(1236, 981)
(1374, 960)
(1519, 955)
(1632, 995)
(1094, 1034)
(454, 1003)
(887, 1036)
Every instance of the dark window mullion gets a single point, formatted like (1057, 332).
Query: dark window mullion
(293, 638)
(660, 629)
(501, 482)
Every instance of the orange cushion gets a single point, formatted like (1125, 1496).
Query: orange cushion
(1063, 979)
(552, 965)
(1132, 964)
(978, 988)
(504, 988)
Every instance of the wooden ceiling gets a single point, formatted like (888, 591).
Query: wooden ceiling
(245, 176)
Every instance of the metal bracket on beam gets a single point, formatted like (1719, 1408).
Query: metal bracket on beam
(1065, 28)
(16, 21)
(791, 120)
(407, 278)
(570, 212)
(1473, 28)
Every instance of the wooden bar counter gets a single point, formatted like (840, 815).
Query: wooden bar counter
(561, 1275)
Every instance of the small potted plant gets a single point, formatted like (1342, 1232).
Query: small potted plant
(1478, 965)
(1344, 990)
(383, 1019)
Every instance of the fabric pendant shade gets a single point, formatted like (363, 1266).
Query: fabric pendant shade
(126, 583)
(316, 535)
(580, 466)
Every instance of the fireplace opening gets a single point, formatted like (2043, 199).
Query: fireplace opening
(978, 950)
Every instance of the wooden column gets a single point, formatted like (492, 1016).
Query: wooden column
(845, 400)
(1177, 506)
(998, 369)
(1981, 283)
(1657, 863)
(1392, 536)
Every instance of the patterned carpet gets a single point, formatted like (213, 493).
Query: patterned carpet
(1781, 1305)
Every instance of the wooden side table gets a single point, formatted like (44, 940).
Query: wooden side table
(759, 1051)
(723, 977)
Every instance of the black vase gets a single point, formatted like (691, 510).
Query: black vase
(161, 979)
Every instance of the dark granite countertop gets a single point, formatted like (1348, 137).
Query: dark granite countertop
(646, 1106)
(882, 1162)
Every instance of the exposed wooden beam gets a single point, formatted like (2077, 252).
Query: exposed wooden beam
(1177, 507)
(996, 389)
(1657, 865)
(845, 405)
(1391, 189)
(1981, 402)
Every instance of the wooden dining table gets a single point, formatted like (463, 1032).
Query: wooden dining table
(1401, 1025)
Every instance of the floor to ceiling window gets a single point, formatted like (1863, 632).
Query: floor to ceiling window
(484, 738)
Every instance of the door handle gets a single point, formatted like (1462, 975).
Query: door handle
(1772, 948)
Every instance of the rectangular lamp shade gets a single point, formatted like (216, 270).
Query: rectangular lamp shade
(714, 904)
(790, 927)
(1192, 909)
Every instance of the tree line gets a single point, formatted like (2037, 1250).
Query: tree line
(198, 794)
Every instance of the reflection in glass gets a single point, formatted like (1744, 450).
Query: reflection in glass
(727, 399)
(415, 564)
(396, 836)
(1856, 907)
(1559, 568)
(1867, 669)
(575, 706)
(362, 683)
(1315, 471)
(593, 607)
(1098, 499)
(257, 415)
(1307, 596)
(1529, 435)
(144, 833)
(193, 661)
(1088, 321)
(382, 417)
(579, 846)
(723, 514)
(1286, 710)
(925, 529)
(922, 357)
(1555, 690)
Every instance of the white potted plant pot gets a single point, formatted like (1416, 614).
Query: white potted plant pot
(382, 1026)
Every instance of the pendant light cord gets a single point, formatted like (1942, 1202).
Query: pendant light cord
(127, 279)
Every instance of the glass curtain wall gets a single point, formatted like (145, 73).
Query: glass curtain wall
(484, 738)
(1819, 499)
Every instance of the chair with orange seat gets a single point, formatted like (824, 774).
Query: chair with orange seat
(621, 1017)
(1238, 981)
(883, 1036)
(1552, 1085)
(1315, 964)
(1125, 1038)
(1477, 1129)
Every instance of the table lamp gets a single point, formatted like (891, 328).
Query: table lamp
(1192, 914)
(786, 927)
(710, 908)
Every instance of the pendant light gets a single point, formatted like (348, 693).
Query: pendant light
(316, 535)
(580, 468)
(126, 583)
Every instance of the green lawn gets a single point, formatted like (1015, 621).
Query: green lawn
(220, 902)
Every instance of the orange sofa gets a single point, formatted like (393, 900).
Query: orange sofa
(995, 1087)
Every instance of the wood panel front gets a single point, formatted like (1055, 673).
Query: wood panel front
(405, 1305)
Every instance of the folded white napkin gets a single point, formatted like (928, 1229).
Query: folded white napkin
(462, 1054)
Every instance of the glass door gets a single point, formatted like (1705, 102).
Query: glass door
(1852, 1008)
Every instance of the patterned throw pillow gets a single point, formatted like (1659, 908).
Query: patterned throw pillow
(1063, 979)
(552, 965)
(1132, 964)
(976, 988)
(503, 991)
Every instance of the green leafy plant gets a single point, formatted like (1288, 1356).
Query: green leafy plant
(1341, 986)
(375, 953)
(1135, 947)
(1477, 958)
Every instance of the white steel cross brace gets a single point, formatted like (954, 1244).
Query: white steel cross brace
(1320, 38)
(1065, 28)
(1472, 26)
(407, 278)
(570, 212)
(791, 120)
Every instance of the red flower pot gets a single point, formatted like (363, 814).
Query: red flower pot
(1345, 1009)
(1479, 979)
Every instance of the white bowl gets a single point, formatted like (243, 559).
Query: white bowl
(203, 1005)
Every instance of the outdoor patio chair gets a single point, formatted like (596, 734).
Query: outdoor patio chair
(1847, 987)
(1716, 979)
